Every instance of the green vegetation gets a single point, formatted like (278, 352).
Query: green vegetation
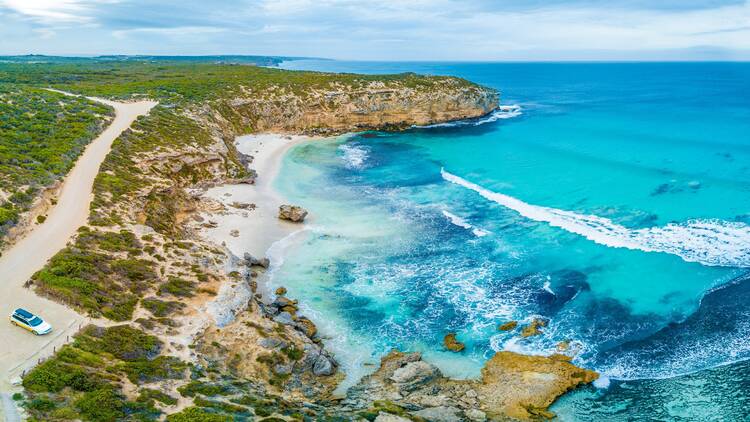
(42, 133)
(197, 414)
(161, 308)
(180, 83)
(82, 380)
(86, 276)
(179, 287)
(148, 394)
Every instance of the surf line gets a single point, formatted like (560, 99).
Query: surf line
(710, 242)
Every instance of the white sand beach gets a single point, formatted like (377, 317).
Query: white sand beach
(255, 229)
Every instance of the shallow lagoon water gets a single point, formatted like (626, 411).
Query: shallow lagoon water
(616, 205)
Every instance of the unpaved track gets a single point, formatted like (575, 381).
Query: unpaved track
(19, 349)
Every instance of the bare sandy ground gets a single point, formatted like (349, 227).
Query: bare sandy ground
(258, 228)
(20, 349)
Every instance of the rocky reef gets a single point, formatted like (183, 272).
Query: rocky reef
(512, 385)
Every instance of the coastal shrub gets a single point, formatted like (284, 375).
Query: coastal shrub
(220, 406)
(136, 271)
(176, 286)
(83, 379)
(122, 241)
(197, 414)
(98, 282)
(161, 308)
(293, 353)
(41, 404)
(207, 389)
(104, 404)
(52, 376)
(122, 341)
(161, 210)
(148, 394)
(158, 369)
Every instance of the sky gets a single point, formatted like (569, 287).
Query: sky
(439, 30)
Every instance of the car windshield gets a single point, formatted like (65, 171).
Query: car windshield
(35, 321)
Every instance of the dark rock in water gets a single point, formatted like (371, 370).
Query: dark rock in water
(282, 301)
(508, 326)
(534, 328)
(292, 213)
(452, 344)
(281, 291)
(306, 326)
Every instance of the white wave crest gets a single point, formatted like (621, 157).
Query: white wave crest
(500, 113)
(709, 242)
(354, 156)
(460, 222)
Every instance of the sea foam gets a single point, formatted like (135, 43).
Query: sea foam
(500, 113)
(460, 222)
(354, 156)
(709, 242)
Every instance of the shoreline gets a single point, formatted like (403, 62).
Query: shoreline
(251, 209)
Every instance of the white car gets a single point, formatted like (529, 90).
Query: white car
(34, 323)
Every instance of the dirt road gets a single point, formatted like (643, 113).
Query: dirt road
(20, 349)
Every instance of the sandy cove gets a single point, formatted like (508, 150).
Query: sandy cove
(245, 216)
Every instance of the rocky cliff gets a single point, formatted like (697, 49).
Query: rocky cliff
(355, 106)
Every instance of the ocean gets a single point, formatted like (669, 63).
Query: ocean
(611, 199)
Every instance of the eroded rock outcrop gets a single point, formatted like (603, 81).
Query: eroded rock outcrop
(512, 385)
(451, 343)
(359, 105)
(293, 213)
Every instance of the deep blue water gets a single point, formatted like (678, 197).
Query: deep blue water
(615, 204)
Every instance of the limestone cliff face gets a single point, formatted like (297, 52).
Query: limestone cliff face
(374, 105)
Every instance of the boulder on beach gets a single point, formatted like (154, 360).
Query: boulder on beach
(452, 344)
(292, 213)
(242, 205)
(252, 261)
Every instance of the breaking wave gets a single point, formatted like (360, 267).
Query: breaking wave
(500, 113)
(460, 222)
(354, 156)
(709, 242)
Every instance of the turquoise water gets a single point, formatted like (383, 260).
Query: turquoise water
(615, 204)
